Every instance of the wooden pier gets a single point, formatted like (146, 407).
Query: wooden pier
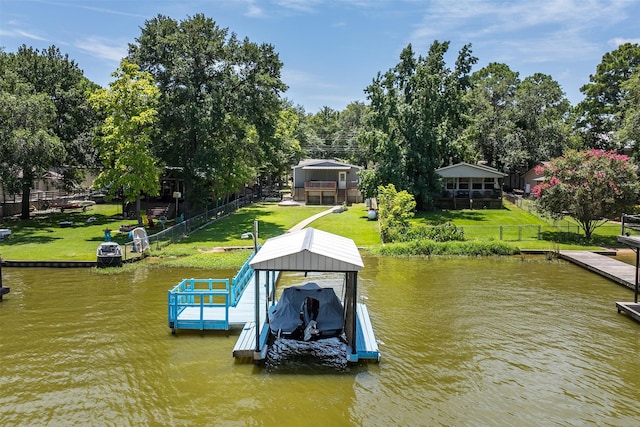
(194, 306)
(617, 271)
(630, 308)
(3, 289)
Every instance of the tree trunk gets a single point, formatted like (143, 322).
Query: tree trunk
(138, 211)
(26, 205)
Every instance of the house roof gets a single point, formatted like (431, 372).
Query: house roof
(308, 250)
(467, 170)
(324, 164)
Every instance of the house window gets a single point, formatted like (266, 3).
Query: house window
(476, 185)
(489, 183)
(463, 184)
(450, 184)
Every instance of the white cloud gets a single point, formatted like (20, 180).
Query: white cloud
(21, 34)
(504, 17)
(544, 31)
(253, 10)
(306, 6)
(620, 41)
(100, 49)
(78, 5)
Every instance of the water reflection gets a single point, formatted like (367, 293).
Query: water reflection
(316, 357)
(466, 342)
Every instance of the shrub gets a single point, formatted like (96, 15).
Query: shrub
(439, 233)
(394, 210)
(430, 247)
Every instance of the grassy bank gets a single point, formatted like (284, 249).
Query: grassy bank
(72, 235)
(208, 247)
(499, 231)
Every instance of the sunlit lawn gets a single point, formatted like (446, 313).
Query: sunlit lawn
(352, 223)
(521, 228)
(204, 248)
(43, 238)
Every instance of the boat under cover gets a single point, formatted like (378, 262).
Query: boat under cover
(307, 312)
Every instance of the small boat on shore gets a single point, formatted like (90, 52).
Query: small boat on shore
(109, 254)
(73, 204)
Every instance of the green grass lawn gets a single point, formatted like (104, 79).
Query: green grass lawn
(352, 223)
(203, 249)
(521, 228)
(42, 237)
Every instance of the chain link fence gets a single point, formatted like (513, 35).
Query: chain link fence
(182, 229)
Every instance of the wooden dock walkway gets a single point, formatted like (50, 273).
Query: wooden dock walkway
(617, 271)
(238, 315)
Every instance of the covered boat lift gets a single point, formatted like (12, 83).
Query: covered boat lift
(312, 250)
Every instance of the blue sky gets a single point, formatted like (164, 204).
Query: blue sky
(332, 49)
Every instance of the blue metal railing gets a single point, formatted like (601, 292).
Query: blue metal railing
(207, 301)
(241, 280)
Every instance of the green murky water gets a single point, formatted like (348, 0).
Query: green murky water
(497, 341)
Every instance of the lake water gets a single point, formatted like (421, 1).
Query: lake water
(466, 341)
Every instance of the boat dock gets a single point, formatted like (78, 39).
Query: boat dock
(617, 271)
(215, 304)
(220, 304)
(3, 289)
(366, 343)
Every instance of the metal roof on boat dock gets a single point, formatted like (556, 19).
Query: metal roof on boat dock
(308, 250)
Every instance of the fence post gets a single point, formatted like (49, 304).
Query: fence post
(500, 232)
(539, 231)
(519, 233)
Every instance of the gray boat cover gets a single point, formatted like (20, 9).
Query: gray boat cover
(295, 301)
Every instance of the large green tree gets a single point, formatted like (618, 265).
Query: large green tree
(334, 134)
(540, 112)
(54, 74)
(516, 124)
(124, 138)
(492, 102)
(590, 186)
(28, 144)
(288, 151)
(219, 105)
(629, 133)
(325, 124)
(601, 113)
(417, 115)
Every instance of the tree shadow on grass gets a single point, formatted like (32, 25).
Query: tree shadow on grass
(18, 239)
(442, 217)
(231, 228)
(50, 227)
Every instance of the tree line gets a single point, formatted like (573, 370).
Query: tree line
(194, 97)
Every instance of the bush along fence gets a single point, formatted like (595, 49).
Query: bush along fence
(564, 230)
(183, 228)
